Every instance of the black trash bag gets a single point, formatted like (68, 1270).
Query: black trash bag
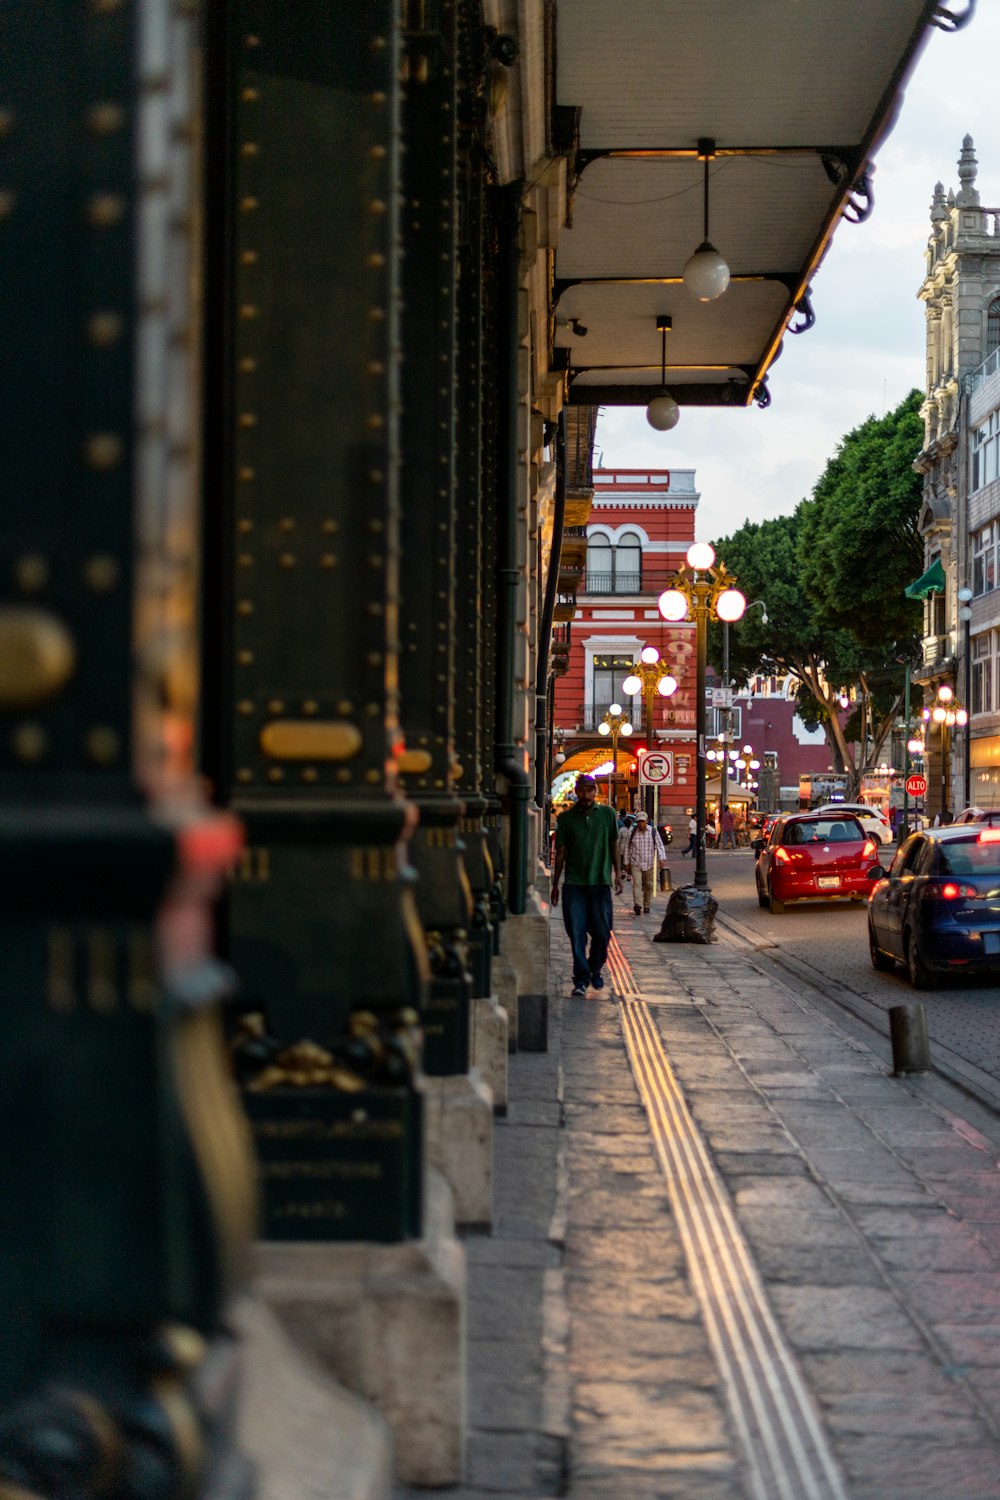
(689, 918)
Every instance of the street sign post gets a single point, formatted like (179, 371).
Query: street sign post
(656, 768)
(916, 785)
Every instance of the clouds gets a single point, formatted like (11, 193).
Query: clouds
(867, 348)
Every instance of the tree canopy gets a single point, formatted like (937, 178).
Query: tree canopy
(832, 576)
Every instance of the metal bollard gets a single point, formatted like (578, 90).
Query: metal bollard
(911, 1049)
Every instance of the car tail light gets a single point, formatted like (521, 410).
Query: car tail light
(782, 856)
(948, 890)
(990, 836)
(869, 851)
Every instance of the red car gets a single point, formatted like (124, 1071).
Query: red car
(817, 857)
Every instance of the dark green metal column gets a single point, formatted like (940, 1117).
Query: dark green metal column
(125, 1182)
(490, 418)
(469, 597)
(301, 599)
(428, 495)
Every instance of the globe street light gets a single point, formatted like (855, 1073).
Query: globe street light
(946, 712)
(702, 587)
(614, 723)
(651, 677)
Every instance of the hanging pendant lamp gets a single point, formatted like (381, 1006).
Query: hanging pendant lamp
(663, 411)
(706, 274)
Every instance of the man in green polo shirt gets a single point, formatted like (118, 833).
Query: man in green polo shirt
(587, 849)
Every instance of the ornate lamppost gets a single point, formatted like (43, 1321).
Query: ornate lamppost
(946, 712)
(650, 677)
(614, 723)
(702, 588)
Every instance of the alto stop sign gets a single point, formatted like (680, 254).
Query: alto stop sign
(916, 785)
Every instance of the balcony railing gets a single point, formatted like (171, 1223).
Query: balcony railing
(649, 581)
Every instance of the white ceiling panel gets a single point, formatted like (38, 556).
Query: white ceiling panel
(748, 72)
(795, 94)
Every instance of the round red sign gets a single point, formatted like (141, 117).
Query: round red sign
(916, 785)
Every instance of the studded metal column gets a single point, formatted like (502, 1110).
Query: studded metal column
(124, 1176)
(469, 597)
(491, 396)
(302, 605)
(427, 604)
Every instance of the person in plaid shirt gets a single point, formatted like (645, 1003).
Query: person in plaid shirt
(640, 846)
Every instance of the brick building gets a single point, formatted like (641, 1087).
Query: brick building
(642, 522)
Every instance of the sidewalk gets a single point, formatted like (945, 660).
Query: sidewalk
(770, 1270)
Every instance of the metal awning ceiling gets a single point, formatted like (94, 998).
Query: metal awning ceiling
(796, 94)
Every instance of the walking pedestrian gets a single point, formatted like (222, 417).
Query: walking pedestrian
(587, 849)
(640, 848)
(692, 846)
(727, 829)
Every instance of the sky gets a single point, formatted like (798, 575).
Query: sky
(866, 350)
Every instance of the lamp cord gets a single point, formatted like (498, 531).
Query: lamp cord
(706, 196)
(663, 358)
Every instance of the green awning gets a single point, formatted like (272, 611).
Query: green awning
(931, 582)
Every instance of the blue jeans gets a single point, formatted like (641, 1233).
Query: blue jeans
(587, 909)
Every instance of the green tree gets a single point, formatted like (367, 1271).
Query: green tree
(832, 577)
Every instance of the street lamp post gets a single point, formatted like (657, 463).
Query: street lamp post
(701, 587)
(728, 709)
(651, 676)
(946, 712)
(614, 723)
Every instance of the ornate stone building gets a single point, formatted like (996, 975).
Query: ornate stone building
(960, 516)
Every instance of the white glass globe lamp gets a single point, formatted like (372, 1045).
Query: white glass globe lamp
(649, 655)
(673, 605)
(700, 556)
(961, 716)
(631, 685)
(615, 708)
(663, 413)
(945, 693)
(939, 714)
(604, 728)
(625, 730)
(666, 686)
(706, 274)
(730, 605)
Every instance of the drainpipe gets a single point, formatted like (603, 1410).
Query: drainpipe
(506, 761)
(545, 624)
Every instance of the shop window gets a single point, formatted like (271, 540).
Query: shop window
(986, 451)
(983, 673)
(984, 559)
(993, 327)
(614, 569)
(609, 674)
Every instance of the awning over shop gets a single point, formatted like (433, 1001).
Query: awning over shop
(931, 582)
(787, 104)
(734, 792)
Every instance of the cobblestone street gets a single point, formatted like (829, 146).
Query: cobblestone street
(868, 1205)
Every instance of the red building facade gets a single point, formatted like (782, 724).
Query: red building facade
(641, 525)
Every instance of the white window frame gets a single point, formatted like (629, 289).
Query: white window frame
(983, 672)
(984, 559)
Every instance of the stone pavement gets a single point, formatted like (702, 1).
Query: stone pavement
(871, 1206)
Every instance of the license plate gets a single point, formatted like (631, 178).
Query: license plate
(991, 942)
(827, 882)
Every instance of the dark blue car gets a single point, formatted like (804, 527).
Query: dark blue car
(938, 910)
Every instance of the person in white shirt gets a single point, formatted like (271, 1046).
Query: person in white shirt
(641, 846)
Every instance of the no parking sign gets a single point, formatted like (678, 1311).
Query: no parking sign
(657, 768)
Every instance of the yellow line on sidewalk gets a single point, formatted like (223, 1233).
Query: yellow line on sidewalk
(785, 1446)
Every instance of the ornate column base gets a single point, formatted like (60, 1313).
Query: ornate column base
(489, 1048)
(505, 989)
(388, 1321)
(307, 1434)
(458, 1136)
(526, 943)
